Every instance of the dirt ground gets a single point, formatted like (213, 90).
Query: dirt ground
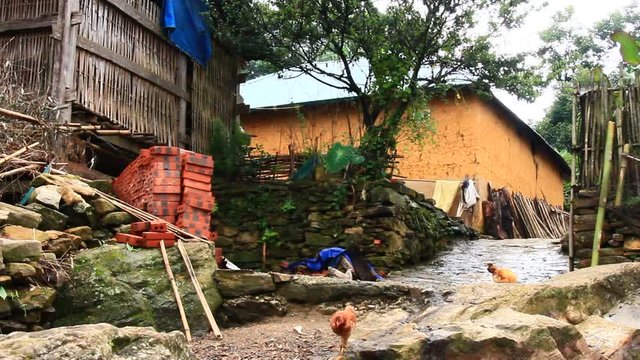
(303, 334)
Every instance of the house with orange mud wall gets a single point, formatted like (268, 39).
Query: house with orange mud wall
(475, 137)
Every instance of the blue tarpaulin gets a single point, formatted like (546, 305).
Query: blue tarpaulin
(186, 28)
(327, 257)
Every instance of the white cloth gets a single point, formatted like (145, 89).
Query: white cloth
(471, 195)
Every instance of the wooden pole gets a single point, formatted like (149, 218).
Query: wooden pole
(20, 116)
(176, 293)
(623, 170)
(18, 153)
(604, 191)
(574, 145)
(196, 285)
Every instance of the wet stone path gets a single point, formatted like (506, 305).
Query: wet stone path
(533, 261)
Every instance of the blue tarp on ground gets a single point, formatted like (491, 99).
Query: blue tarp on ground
(327, 257)
(187, 29)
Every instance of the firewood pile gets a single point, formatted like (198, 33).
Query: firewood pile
(516, 216)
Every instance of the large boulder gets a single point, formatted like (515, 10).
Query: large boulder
(129, 287)
(99, 341)
(48, 195)
(611, 340)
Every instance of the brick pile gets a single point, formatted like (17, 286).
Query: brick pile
(147, 234)
(172, 184)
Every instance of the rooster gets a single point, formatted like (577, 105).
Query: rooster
(342, 323)
(501, 275)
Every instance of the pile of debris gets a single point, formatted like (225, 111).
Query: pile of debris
(61, 215)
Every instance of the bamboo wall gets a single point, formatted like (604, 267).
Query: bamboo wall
(597, 107)
(122, 68)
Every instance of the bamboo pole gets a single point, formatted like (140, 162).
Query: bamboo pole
(623, 170)
(18, 153)
(20, 116)
(176, 293)
(574, 144)
(18, 170)
(604, 191)
(196, 285)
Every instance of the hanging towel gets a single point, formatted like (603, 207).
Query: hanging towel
(186, 28)
(469, 194)
(444, 194)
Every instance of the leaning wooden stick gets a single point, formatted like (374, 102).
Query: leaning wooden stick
(196, 285)
(18, 153)
(176, 294)
(20, 116)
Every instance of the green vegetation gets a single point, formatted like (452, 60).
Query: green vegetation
(229, 147)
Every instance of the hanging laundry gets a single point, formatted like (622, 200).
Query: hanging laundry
(470, 195)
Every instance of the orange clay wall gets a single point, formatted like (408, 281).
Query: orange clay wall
(471, 139)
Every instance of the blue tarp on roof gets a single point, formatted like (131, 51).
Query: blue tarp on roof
(186, 28)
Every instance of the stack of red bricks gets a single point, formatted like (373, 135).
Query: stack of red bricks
(147, 234)
(172, 184)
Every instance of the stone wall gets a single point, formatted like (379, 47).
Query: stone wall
(391, 224)
(620, 240)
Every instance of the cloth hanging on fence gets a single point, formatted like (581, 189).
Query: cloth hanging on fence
(469, 194)
(444, 194)
(186, 28)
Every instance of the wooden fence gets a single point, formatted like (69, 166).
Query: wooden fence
(110, 58)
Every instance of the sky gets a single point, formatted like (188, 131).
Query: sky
(586, 12)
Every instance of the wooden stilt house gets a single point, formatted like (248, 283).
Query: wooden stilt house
(108, 64)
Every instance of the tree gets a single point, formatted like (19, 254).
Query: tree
(413, 51)
(556, 125)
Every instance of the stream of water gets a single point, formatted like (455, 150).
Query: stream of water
(532, 260)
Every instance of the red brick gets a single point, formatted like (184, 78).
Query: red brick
(196, 185)
(169, 219)
(158, 226)
(197, 192)
(199, 160)
(171, 166)
(188, 175)
(166, 181)
(138, 227)
(164, 150)
(128, 238)
(165, 174)
(199, 202)
(197, 169)
(166, 197)
(158, 236)
(165, 189)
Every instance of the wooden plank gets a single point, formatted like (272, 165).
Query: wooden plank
(183, 140)
(176, 293)
(138, 16)
(131, 66)
(27, 24)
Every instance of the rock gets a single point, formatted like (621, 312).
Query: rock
(378, 211)
(398, 341)
(5, 307)
(605, 260)
(245, 257)
(51, 219)
(20, 270)
(130, 288)
(117, 218)
(245, 309)
(103, 207)
(106, 186)
(20, 216)
(15, 232)
(65, 181)
(609, 339)
(99, 341)
(20, 250)
(632, 242)
(586, 253)
(315, 290)
(232, 283)
(387, 196)
(228, 231)
(626, 313)
(357, 230)
(581, 203)
(33, 299)
(223, 241)
(248, 237)
(62, 246)
(5, 280)
(71, 198)
(7, 326)
(83, 232)
(586, 223)
(48, 195)
(319, 240)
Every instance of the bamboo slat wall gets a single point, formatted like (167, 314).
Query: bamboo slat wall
(124, 70)
(597, 108)
(26, 9)
(213, 96)
(31, 57)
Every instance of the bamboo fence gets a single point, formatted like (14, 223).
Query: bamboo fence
(111, 59)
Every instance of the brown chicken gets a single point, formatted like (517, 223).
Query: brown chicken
(501, 275)
(342, 323)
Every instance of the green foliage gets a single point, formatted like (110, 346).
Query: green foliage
(629, 47)
(269, 236)
(631, 202)
(288, 206)
(339, 197)
(339, 157)
(555, 128)
(229, 148)
(3, 293)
